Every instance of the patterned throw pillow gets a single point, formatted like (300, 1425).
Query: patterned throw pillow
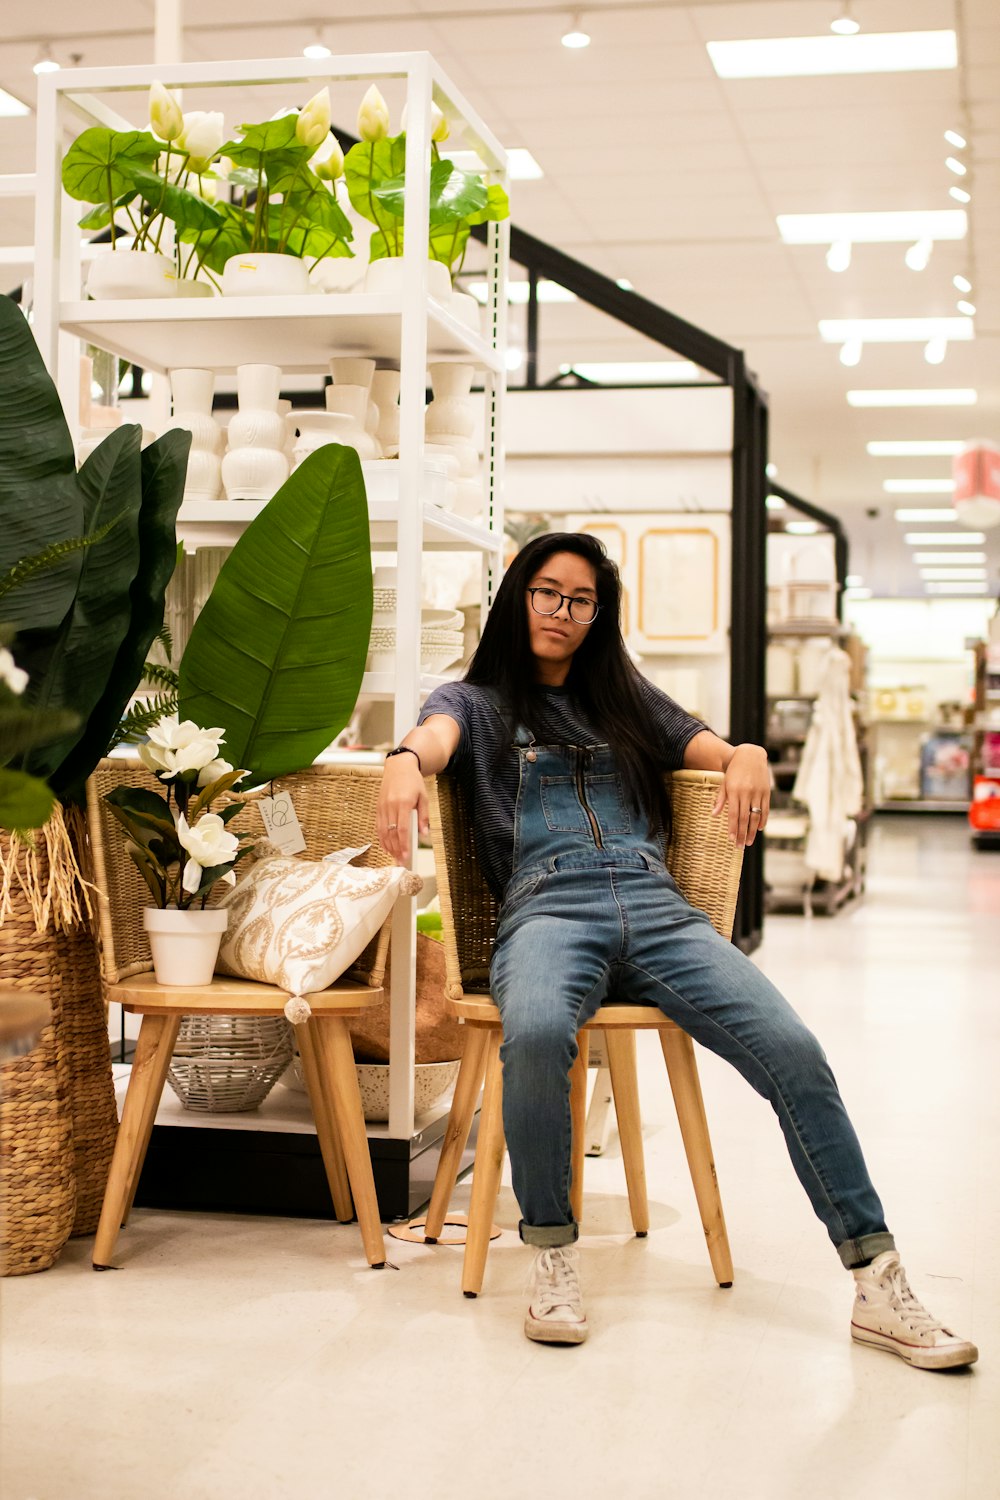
(301, 923)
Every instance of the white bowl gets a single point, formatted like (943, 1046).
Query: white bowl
(430, 1081)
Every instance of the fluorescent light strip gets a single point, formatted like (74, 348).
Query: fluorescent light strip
(955, 588)
(898, 227)
(802, 528)
(935, 559)
(919, 448)
(812, 56)
(517, 292)
(956, 397)
(919, 486)
(943, 538)
(11, 107)
(521, 165)
(775, 502)
(858, 593)
(953, 574)
(637, 372)
(893, 330)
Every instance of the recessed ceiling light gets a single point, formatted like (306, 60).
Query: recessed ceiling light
(918, 256)
(940, 574)
(954, 165)
(954, 139)
(918, 448)
(810, 56)
(625, 284)
(515, 358)
(895, 226)
(893, 330)
(844, 24)
(316, 50)
(802, 528)
(851, 351)
(639, 372)
(955, 588)
(838, 257)
(929, 559)
(45, 62)
(918, 486)
(956, 397)
(935, 351)
(575, 37)
(771, 470)
(10, 107)
(961, 284)
(960, 195)
(517, 291)
(939, 538)
(968, 308)
(775, 502)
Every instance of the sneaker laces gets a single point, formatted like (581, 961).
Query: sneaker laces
(916, 1313)
(556, 1282)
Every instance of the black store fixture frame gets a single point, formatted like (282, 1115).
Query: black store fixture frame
(831, 523)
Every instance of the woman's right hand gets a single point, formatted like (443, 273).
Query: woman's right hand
(403, 793)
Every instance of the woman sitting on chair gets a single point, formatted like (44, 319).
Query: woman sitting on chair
(560, 747)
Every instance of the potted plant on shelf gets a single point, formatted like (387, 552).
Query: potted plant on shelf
(181, 851)
(375, 172)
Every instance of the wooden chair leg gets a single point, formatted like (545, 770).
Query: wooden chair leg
(326, 1126)
(490, 1149)
(678, 1053)
(337, 1056)
(578, 1113)
(157, 1038)
(456, 1135)
(598, 1122)
(621, 1063)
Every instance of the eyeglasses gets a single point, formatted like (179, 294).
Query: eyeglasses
(550, 602)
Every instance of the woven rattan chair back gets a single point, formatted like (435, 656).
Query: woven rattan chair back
(700, 856)
(335, 806)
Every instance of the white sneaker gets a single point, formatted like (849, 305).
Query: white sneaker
(888, 1316)
(555, 1313)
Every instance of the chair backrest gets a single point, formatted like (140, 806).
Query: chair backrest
(704, 862)
(335, 806)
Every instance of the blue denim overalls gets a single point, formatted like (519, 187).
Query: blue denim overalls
(591, 913)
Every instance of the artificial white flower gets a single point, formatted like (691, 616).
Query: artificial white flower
(373, 116)
(313, 124)
(440, 129)
(14, 676)
(213, 771)
(203, 134)
(165, 113)
(328, 162)
(208, 843)
(175, 748)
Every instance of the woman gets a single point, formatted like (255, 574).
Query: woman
(560, 746)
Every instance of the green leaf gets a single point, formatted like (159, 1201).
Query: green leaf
(232, 237)
(22, 729)
(139, 808)
(447, 243)
(136, 724)
(70, 668)
(277, 655)
(455, 194)
(214, 789)
(101, 216)
(49, 556)
(98, 166)
(243, 177)
(181, 207)
(258, 140)
(305, 195)
(497, 206)
(25, 802)
(151, 871)
(314, 243)
(367, 166)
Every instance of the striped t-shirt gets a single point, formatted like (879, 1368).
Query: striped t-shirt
(491, 787)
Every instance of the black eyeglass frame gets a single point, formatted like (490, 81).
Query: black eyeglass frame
(568, 600)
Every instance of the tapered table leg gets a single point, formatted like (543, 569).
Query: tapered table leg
(456, 1136)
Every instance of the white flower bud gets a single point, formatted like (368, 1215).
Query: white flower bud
(14, 676)
(328, 163)
(203, 134)
(313, 124)
(373, 116)
(165, 113)
(440, 129)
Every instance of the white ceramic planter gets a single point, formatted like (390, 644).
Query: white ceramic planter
(185, 944)
(352, 401)
(385, 278)
(452, 410)
(187, 288)
(317, 428)
(385, 394)
(264, 274)
(192, 392)
(122, 274)
(350, 371)
(256, 464)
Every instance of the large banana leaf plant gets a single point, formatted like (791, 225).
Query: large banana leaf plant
(84, 621)
(277, 655)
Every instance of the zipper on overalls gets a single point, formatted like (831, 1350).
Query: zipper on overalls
(581, 793)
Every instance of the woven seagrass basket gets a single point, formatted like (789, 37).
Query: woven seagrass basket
(228, 1064)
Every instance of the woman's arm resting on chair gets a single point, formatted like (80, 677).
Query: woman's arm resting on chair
(434, 742)
(747, 781)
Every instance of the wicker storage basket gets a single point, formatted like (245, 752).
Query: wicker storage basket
(228, 1064)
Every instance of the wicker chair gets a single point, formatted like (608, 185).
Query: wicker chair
(336, 808)
(706, 866)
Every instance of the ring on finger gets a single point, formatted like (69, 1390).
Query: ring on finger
(754, 810)
(392, 827)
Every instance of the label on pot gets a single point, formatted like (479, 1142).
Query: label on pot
(281, 823)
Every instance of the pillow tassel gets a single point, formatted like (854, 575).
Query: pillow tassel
(297, 1010)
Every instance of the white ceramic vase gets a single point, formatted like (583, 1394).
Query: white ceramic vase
(120, 274)
(352, 401)
(385, 394)
(351, 371)
(264, 274)
(452, 409)
(192, 392)
(256, 464)
(184, 944)
(317, 428)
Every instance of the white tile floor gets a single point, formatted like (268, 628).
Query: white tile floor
(259, 1359)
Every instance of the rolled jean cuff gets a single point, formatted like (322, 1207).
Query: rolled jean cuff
(864, 1248)
(548, 1236)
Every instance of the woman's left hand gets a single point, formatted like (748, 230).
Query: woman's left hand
(747, 792)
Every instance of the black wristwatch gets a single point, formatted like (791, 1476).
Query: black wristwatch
(405, 750)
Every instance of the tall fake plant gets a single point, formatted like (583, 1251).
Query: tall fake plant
(375, 172)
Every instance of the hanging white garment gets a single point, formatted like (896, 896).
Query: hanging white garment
(830, 781)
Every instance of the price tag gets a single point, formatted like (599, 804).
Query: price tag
(281, 823)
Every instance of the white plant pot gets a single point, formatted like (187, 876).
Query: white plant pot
(338, 273)
(385, 278)
(121, 274)
(185, 944)
(452, 410)
(352, 401)
(188, 288)
(317, 428)
(350, 371)
(468, 311)
(264, 274)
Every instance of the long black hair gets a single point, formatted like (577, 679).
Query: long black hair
(601, 678)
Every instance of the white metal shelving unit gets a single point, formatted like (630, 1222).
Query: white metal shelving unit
(301, 334)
